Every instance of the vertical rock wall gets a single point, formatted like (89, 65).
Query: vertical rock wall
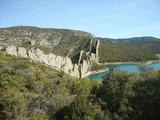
(97, 51)
(84, 64)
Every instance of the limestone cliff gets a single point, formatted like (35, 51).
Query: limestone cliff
(70, 51)
(57, 62)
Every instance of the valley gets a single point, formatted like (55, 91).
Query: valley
(62, 74)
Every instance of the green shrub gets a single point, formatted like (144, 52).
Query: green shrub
(96, 67)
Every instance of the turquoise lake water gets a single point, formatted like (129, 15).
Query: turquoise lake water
(127, 67)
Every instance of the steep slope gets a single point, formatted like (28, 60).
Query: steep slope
(68, 50)
(29, 89)
(61, 41)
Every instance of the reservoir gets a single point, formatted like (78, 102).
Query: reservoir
(127, 67)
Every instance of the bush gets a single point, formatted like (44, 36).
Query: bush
(96, 67)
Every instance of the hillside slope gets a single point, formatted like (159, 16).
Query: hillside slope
(29, 90)
(60, 41)
(133, 39)
(68, 50)
(32, 91)
(132, 49)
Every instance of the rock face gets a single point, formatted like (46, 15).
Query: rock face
(32, 42)
(80, 49)
(85, 68)
(97, 52)
(57, 62)
(22, 52)
(11, 50)
(68, 42)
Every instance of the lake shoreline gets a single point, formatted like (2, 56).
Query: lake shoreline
(96, 72)
(119, 63)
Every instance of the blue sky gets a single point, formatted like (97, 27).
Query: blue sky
(104, 18)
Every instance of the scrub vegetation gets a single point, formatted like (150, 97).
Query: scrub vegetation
(29, 90)
(113, 51)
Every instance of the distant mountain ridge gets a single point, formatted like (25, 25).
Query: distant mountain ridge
(35, 28)
(129, 49)
(133, 39)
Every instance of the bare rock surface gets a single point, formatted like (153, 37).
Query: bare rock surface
(22, 52)
(57, 62)
(11, 50)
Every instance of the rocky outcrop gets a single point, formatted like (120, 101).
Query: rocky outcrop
(87, 58)
(32, 42)
(93, 57)
(85, 68)
(11, 50)
(57, 62)
(97, 51)
(45, 37)
(22, 52)
(80, 48)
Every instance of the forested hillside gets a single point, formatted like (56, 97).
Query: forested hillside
(133, 39)
(133, 49)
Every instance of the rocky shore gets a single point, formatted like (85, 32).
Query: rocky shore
(95, 72)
